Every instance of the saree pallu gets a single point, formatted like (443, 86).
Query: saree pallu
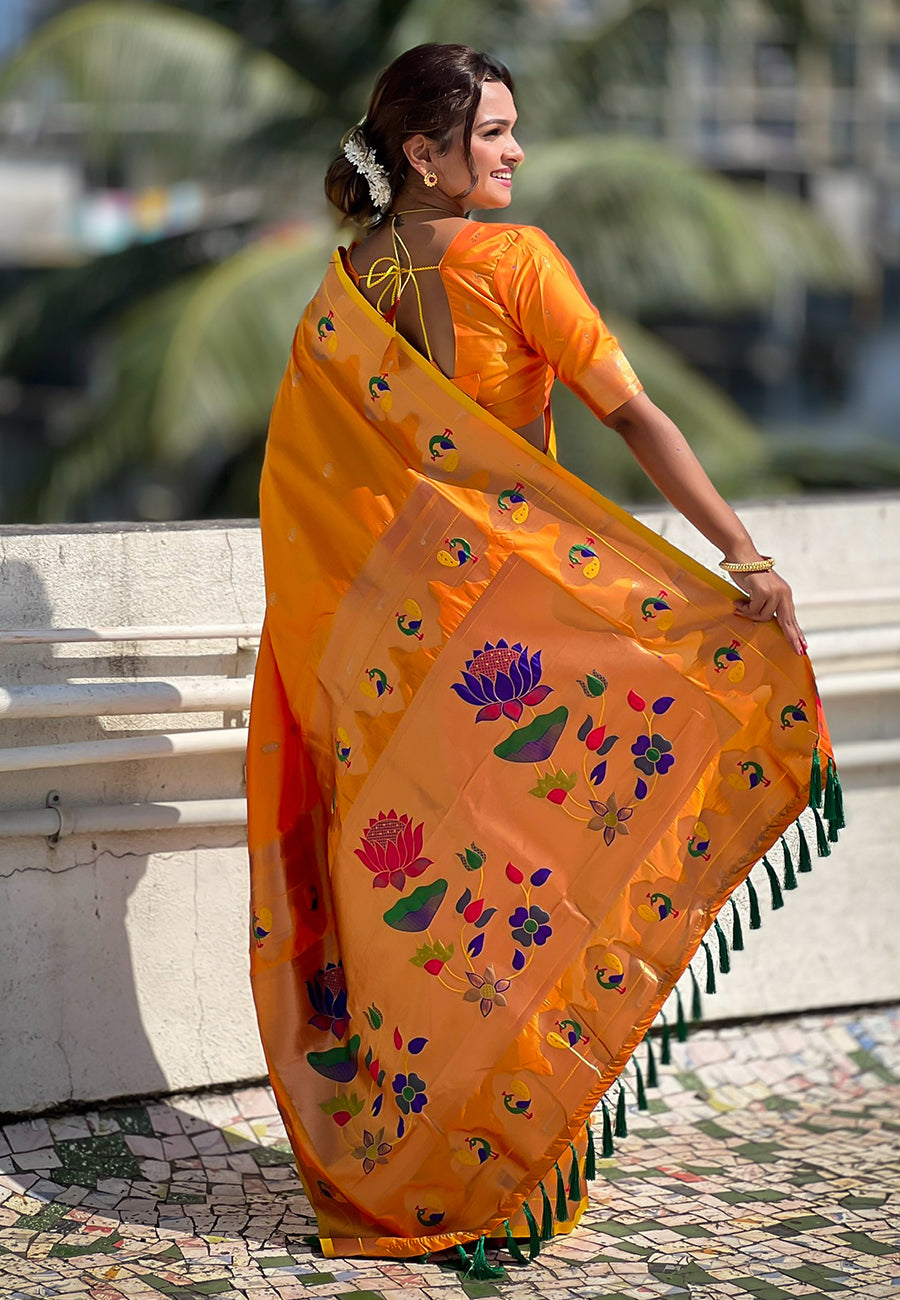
(510, 753)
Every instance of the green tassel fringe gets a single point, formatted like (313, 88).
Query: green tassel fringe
(790, 880)
(815, 781)
(641, 1090)
(696, 1004)
(607, 1149)
(665, 1043)
(652, 1077)
(755, 917)
(546, 1216)
(839, 800)
(737, 930)
(823, 848)
(562, 1210)
(710, 969)
(590, 1156)
(724, 955)
(513, 1246)
(777, 896)
(574, 1180)
(681, 1029)
(621, 1129)
(834, 803)
(804, 861)
(534, 1240)
(480, 1270)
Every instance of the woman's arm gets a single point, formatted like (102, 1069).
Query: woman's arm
(661, 450)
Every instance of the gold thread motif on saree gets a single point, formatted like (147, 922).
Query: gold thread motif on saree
(728, 660)
(442, 450)
(380, 392)
(458, 553)
(410, 619)
(792, 713)
(584, 556)
(327, 332)
(512, 500)
(375, 683)
(658, 610)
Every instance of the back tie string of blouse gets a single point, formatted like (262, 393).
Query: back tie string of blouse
(392, 277)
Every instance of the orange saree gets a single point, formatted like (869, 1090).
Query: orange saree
(510, 753)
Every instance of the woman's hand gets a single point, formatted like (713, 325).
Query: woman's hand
(769, 596)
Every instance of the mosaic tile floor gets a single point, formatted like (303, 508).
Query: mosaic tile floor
(768, 1166)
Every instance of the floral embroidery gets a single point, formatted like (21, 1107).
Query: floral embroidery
(653, 754)
(530, 926)
(502, 681)
(328, 995)
(392, 850)
(374, 1151)
(610, 818)
(487, 989)
(410, 1090)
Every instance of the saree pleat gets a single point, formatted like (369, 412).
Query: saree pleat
(510, 753)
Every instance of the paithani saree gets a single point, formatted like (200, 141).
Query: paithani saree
(510, 754)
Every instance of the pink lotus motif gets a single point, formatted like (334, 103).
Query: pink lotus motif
(392, 849)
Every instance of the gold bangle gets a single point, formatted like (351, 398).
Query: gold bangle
(754, 566)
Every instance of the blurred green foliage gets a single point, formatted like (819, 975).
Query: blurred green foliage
(187, 338)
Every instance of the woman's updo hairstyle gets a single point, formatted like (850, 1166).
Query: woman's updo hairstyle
(430, 90)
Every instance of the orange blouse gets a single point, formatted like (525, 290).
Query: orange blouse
(521, 318)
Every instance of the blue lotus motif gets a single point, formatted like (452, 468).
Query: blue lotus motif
(500, 679)
(328, 995)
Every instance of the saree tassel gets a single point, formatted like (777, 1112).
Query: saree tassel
(823, 848)
(777, 896)
(790, 880)
(681, 1029)
(621, 1122)
(562, 1210)
(804, 860)
(755, 917)
(607, 1149)
(834, 802)
(574, 1191)
(546, 1216)
(652, 1076)
(710, 969)
(665, 1044)
(737, 929)
(534, 1237)
(590, 1156)
(696, 1003)
(480, 1269)
(838, 799)
(815, 780)
(641, 1090)
(513, 1246)
(724, 954)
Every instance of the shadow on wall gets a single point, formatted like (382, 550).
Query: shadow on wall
(69, 1012)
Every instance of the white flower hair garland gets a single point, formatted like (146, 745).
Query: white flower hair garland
(363, 159)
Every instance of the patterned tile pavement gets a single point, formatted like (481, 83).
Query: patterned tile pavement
(768, 1166)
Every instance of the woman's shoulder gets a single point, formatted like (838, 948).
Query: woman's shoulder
(502, 236)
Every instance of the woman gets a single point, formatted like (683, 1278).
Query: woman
(510, 752)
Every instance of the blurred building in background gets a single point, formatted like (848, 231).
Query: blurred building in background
(801, 97)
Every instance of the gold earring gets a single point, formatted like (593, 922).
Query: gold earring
(430, 179)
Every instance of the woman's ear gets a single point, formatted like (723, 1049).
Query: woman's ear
(418, 150)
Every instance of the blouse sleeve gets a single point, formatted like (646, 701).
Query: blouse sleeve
(545, 298)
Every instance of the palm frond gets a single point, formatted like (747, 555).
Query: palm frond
(732, 451)
(649, 229)
(193, 369)
(141, 68)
